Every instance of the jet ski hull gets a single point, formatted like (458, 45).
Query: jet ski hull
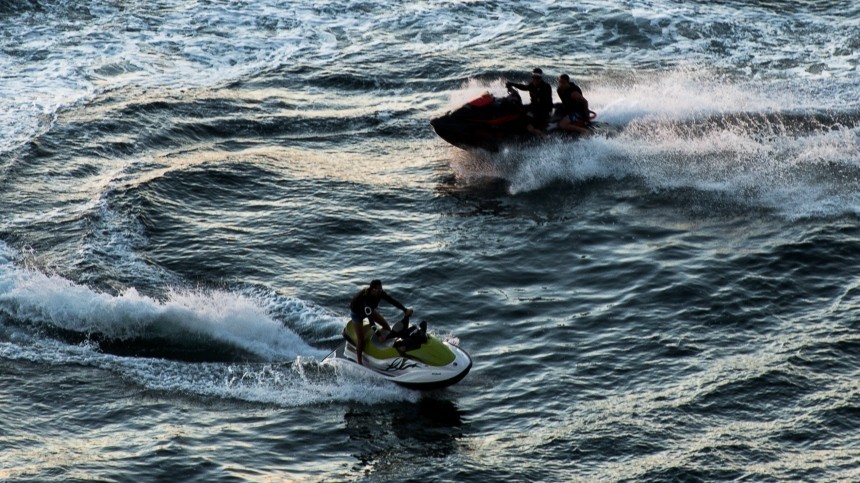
(476, 135)
(434, 365)
(468, 136)
(490, 123)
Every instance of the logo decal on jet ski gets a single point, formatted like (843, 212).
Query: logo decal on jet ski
(400, 364)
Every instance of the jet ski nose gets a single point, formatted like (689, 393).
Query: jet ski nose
(441, 124)
(441, 121)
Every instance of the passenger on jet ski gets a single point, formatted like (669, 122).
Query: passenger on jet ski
(576, 116)
(541, 101)
(364, 305)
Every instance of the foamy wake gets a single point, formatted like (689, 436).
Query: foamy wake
(31, 300)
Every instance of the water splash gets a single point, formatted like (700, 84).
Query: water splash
(764, 149)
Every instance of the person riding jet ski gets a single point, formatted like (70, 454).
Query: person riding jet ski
(364, 305)
(540, 94)
(575, 115)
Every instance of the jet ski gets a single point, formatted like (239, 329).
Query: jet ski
(407, 355)
(489, 122)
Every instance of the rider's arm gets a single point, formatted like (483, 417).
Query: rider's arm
(390, 299)
(522, 87)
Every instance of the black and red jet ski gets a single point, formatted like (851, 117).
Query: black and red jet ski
(486, 122)
(489, 122)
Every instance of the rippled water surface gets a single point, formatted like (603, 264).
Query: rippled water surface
(191, 192)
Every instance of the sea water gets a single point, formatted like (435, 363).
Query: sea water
(191, 192)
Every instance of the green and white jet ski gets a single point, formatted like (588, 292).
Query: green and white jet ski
(406, 355)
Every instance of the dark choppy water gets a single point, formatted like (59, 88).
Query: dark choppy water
(190, 192)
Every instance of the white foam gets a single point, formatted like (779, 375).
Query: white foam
(300, 382)
(51, 300)
(120, 48)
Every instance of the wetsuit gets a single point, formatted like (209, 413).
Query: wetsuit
(541, 100)
(363, 305)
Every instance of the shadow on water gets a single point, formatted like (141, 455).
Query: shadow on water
(399, 434)
(189, 349)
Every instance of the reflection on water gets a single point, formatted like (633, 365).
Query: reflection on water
(393, 438)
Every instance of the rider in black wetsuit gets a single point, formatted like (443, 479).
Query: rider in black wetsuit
(540, 94)
(364, 305)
